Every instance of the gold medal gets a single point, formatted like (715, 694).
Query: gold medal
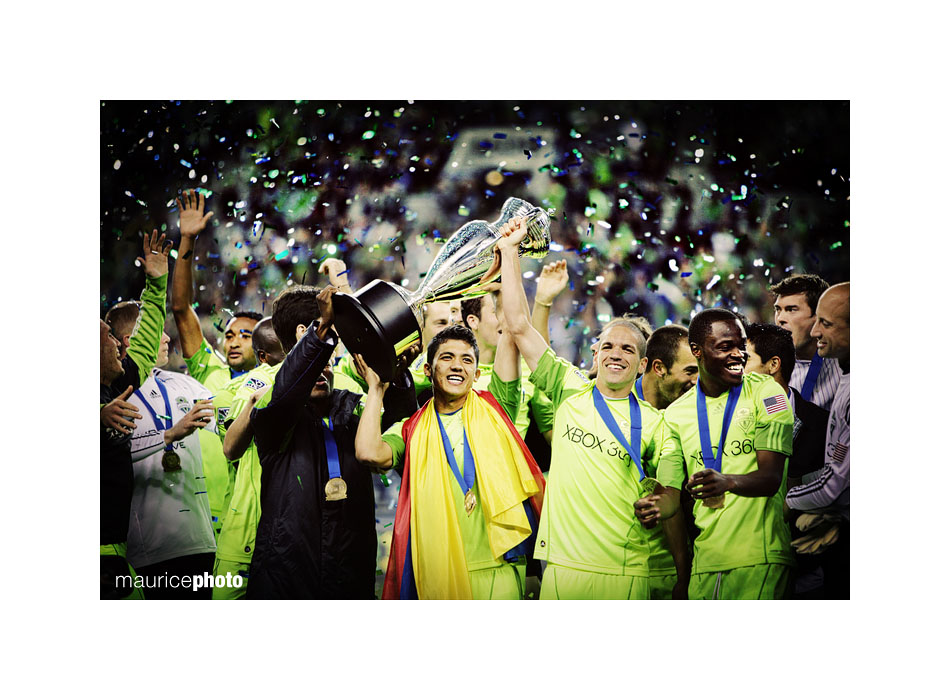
(470, 502)
(171, 462)
(715, 501)
(648, 486)
(335, 489)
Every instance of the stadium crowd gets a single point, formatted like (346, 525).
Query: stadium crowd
(558, 450)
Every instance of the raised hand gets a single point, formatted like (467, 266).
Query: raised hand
(368, 374)
(155, 254)
(325, 307)
(335, 269)
(551, 282)
(119, 415)
(191, 214)
(513, 232)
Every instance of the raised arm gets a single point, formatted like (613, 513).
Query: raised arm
(551, 282)
(239, 435)
(147, 336)
(514, 303)
(369, 445)
(192, 221)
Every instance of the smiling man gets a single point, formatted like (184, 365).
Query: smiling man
(732, 434)
(605, 450)
(470, 493)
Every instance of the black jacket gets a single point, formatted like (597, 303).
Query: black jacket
(808, 448)
(308, 547)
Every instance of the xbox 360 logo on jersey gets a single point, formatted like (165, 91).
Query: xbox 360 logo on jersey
(744, 418)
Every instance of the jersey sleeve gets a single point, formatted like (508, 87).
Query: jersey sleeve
(542, 411)
(773, 431)
(147, 334)
(671, 464)
(557, 378)
(242, 395)
(393, 438)
(825, 489)
(508, 394)
(206, 363)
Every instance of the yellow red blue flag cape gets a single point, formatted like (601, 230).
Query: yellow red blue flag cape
(427, 558)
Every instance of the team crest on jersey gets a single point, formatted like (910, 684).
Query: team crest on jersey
(223, 413)
(254, 384)
(744, 418)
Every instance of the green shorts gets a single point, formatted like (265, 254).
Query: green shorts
(230, 570)
(661, 587)
(116, 575)
(505, 582)
(564, 583)
(760, 582)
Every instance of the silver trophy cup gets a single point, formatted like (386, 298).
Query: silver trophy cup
(382, 320)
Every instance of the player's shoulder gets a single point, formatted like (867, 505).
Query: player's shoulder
(683, 406)
(755, 383)
(182, 382)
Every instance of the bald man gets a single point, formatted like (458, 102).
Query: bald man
(825, 495)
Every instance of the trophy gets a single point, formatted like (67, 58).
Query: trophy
(382, 320)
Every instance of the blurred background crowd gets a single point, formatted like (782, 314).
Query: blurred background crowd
(660, 208)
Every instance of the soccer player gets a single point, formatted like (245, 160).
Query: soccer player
(638, 323)
(203, 363)
(463, 521)
(670, 370)
(479, 316)
(317, 532)
(220, 375)
(826, 495)
(795, 303)
(239, 527)
(118, 378)
(731, 436)
(170, 531)
(604, 454)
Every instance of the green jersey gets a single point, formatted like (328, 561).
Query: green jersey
(472, 526)
(746, 531)
(588, 521)
(208, 367)
(239, 530)
(533, 404)
(147, 332)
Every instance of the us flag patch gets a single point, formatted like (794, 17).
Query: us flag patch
(839, 452)
(774, 404)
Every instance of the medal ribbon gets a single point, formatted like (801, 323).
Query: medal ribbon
(813, 369)
(639, 387)
(333, 454)
(168, 410)
(467, 483)
(601, 405)
(704, 440)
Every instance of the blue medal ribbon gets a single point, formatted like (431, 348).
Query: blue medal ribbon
(466, 481)
(635, 426)
(333, 454)
(704, 441)
(160, 424)
(639, 387)
(813, 370)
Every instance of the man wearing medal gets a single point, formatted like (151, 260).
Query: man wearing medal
(470, 490)
(732, 434)
(605, 448)
(317, 532)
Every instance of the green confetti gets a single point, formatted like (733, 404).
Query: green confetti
(368, 134)
(837, 244)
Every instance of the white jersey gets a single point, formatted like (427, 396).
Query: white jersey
(170, 515)
(829, 488)
(826, 384)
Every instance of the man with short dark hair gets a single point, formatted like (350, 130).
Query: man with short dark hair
(732, 434)
(671, 369)
(317, 532)
(470, 492)
(795, 303)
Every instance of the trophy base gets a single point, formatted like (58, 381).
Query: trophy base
(377, 323)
